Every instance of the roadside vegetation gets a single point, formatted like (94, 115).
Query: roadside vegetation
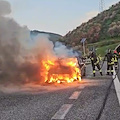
(102, 31)
(102, 46)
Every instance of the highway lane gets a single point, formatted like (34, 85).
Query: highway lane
(112, 107)
(32, 107)
(34, 103)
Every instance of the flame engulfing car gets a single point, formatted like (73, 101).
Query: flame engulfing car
(65, 70)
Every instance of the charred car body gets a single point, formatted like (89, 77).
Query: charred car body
(66, 70)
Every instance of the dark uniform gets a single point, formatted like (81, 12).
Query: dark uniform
(116, 59)
(95, 62)
(110, 62)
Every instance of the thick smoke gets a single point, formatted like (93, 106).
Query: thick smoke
(13, 42)
(4, 8)
(62, 51)
(21, 54)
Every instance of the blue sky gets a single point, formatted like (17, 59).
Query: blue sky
(58, 16)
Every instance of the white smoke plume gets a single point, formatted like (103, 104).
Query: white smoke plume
(21, 55)
(62, 51)
(13, 44)
(4, 8)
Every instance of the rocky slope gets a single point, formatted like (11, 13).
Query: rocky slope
(104, 26)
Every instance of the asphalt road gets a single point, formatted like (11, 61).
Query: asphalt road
(43, 102)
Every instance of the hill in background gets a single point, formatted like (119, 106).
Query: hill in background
(52, 36)
(104, 27)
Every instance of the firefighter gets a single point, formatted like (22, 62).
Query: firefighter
(116, 59)
(110, 62)
(95, 62)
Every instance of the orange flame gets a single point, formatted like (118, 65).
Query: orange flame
(61, 70)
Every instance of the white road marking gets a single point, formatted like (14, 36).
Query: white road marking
(62, 112)
(117, 86)
(75, 95)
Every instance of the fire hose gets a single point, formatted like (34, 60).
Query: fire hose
(106, 95)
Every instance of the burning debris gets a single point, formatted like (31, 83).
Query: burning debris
(37, 60)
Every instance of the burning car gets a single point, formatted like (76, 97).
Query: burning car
(64, 70)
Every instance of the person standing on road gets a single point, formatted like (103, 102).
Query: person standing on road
(110, 62)
(95, 62)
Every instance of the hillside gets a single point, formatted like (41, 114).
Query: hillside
(104, 26)
(52, 36)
